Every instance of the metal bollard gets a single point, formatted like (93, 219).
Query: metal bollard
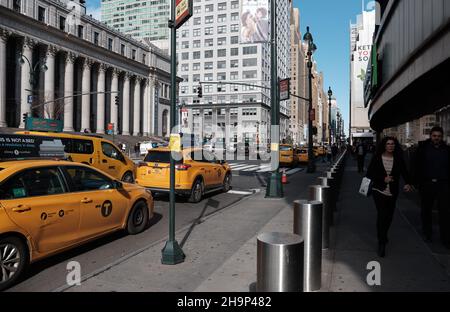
(330, 182)
(279, 262)
(308, 224)
(322, 194)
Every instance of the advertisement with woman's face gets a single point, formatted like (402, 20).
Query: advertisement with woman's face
(254, 21)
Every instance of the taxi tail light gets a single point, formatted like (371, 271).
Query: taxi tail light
(142, 164)
(182, 167)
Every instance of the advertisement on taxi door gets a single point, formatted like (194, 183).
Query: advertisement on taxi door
(24, 146)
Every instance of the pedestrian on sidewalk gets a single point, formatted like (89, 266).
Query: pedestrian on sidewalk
(432, 164)
(137, 149)
(385, 169)
(361, 155)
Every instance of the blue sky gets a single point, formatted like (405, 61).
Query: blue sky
(329, 21)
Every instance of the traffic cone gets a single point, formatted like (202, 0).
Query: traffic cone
(284, 177)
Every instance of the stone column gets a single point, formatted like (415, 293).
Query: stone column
(146, 108)
(114, 108)
(3, 38)
(101, 83)
(137, 106)
(26, 87)
(126, 105)
(68, 91)
(49, 85)
(86, 98)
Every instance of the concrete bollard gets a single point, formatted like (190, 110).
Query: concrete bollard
(308, 224)
(279, 262)
(322, 194)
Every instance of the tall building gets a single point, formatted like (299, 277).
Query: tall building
(298, 78)
(361, 38)
(142, 19)
(209, 50)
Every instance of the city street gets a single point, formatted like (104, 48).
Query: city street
(50, 274)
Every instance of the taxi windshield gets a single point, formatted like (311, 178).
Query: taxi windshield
(285, 148)
(161, 157)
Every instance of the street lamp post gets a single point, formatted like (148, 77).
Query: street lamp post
(172, 253)
(311, 49)
(330, 94)
(274, 186)
(33, 70)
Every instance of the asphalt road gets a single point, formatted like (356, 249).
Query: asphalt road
(50, 274)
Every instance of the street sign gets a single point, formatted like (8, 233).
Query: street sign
(285, 89)
(184, 10)
(30, 99)
(41, 124)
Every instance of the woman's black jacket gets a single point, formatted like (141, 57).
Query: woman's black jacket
(377, 173)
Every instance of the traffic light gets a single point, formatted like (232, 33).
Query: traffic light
(200, 91)
(117, 100)
(24, 117)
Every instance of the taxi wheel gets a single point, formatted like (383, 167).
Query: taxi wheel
(227, 183)
(138, 218)
(14, 259)
(196, 192)
(128, 177)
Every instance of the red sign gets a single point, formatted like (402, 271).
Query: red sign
(284, 86)
(183, 12)
(110, 126)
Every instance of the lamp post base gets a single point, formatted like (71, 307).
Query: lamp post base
(274, 187)
(172, 253)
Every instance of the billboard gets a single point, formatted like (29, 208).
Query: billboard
(14, 146)
(254, 21)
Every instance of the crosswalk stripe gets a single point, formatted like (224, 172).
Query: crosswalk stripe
(246, 167)
(240, 166)
(253, 168)
(292, 171)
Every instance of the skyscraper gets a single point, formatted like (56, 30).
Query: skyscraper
(209, 52)
(142, 19)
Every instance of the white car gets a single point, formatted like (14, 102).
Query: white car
(145, 146)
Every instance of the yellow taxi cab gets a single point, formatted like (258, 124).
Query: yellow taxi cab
(48, 206)
(197, 172)
(94, 151)
(287, 155)
(302, 155)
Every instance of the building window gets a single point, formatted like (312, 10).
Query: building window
(185, 56)
(251, 74)
(208, 77)
(221, 64)
(234, 75)
(222, 18)
(41, 14)
(234, 63)
(185, 67)
(234, 16)
(133, 54)
(222, 29)
(234, 111)
(222, 53)
(196, 78)
(197, 43)
(196, 55)
(197, 32)
(209, 31)
(144, 57)
(209, 65)
(110, 44)
(197, 21)
(17, 5)
(197, 9)
(96, 38)
(221, 76)
(221, 41)
(185, 44)
(235, 4)
(250, 50)
(62, 23)
(234, 51)
(222, 6)
(209, 19)
(209, 42)
(209, 54)
(234, 28)
(80, 31)
(209, 8)
(122, 49)
(234, 39)
(185, 33)
(196, 66)
(249, 62)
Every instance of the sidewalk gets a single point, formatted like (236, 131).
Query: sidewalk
(221, 249)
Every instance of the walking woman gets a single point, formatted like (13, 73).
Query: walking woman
(385, 169)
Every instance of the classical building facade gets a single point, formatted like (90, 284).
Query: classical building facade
(57, 62)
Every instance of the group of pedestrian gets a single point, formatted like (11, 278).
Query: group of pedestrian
(432, 163)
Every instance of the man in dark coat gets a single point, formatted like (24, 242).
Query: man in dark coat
(432, 165)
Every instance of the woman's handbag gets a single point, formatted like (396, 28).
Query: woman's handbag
(366, 187)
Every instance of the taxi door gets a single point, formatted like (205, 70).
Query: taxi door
(102, 207)
(110, 160)
(210, 169)
(36, 200)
